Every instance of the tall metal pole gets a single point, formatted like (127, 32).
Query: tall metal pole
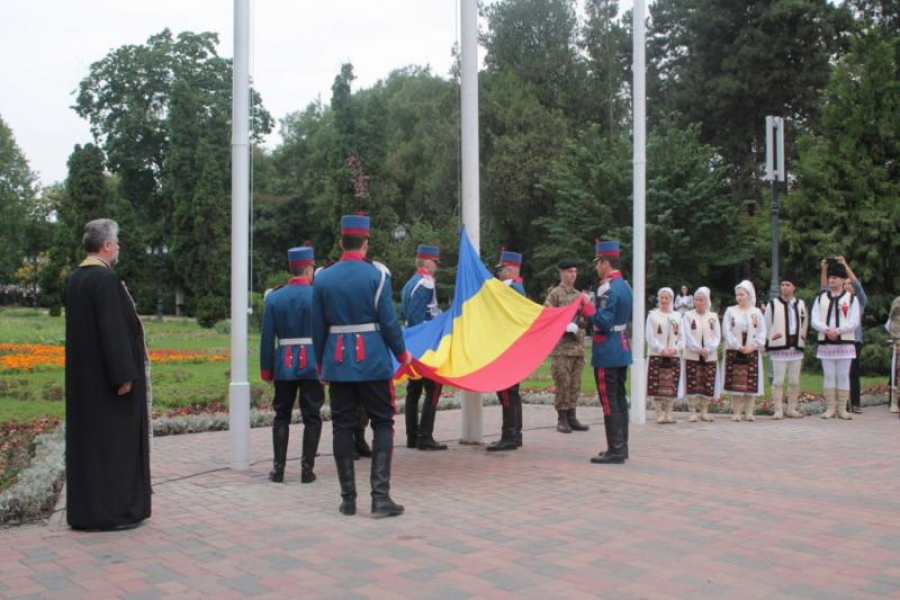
(638, 381)
(775, 285)
(472, 411)
(239, 389)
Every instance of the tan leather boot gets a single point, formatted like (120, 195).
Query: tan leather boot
(704, 411)
(692, 407)
(830, 403)
(842, 397)
(750, 407)
(737, 403)
(660, 411)
(778, 401)
(670, 406)
(793, 402)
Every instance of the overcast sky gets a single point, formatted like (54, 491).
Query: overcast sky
(47, 46)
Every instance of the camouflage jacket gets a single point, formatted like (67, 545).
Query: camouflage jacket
(570, 344)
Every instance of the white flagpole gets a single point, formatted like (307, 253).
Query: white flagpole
(638, 369)
(472, 411)
(239, 389)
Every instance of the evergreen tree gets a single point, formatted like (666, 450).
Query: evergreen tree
(845, 201)
(17, 184)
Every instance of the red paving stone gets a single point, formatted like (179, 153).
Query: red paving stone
(804, 508)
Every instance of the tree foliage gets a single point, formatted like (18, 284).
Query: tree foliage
(17, 192)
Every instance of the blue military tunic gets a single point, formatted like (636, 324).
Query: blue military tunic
(285, 347)
(611, 347)
(354, 323)
(516, 284)
(418, 300)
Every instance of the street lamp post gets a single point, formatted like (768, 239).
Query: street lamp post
(159, 252)
(775, 174)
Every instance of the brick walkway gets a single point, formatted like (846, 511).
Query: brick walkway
(767, 509)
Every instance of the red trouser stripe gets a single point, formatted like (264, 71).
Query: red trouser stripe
(504, 398)
(393, 407)
(601, 390)
(436, 395)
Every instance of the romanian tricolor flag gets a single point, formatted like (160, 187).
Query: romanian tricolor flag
(490, 338)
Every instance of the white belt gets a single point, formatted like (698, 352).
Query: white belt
(295, 341)
(619, 327)
(362, 328)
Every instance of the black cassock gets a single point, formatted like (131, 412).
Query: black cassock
(107, 445)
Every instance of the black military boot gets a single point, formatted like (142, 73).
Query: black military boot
(280, 434)
(519, 422)
(625, 423)
(507, 439)
(426, 428)
(562, 422)
(412, 416)
(574, 423)
(382, 505)
(615, 441)
(362, 448)
(308, 459)
(347, 479)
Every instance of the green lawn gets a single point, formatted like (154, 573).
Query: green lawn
(28, 394)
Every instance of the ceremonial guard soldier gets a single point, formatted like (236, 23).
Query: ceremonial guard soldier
(419, 304)
(664, 343)
(287, 358)
(744, 330)
(611, 353)
(835, 315)
(511, 430)
(568, 356)
(355, 330)
(702, 336)
(787, 323)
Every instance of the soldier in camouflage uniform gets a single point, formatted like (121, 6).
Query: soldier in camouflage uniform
(568, 356)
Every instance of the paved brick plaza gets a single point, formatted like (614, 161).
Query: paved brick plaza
(803, 509)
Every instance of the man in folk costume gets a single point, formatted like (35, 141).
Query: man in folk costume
(567, 362)
(664, 344)
(787, 323)
(107, 425)
(835, 315)
(287, 360)
(611, 351)
(744, 330)
(702, 335)
(355, 330)
(419, 304)
(508, 271)
(893, 329)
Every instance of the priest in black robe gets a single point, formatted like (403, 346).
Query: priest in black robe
(107, 443)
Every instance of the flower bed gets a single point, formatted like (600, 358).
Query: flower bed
(32, 468)
(25, 357)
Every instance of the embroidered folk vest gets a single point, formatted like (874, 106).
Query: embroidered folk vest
(778, 337)
(664, 328)
(833, 311)
(702, 329)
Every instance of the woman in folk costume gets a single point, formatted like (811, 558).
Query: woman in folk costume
(835, 315)
(702, 335)
(893, 329)
(663, 334)
(744, 329)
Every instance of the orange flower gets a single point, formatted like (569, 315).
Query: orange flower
(25, 357)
